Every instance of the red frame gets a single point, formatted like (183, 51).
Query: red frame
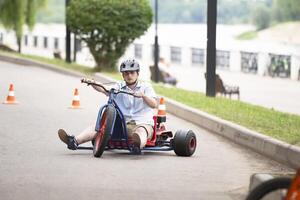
(294, 190)
(157, 130)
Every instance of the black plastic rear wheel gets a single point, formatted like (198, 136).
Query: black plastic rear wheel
(104, 132)
(269, 188)
(184, 143)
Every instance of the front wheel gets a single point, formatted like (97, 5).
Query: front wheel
(184, 143)
(275, 188)
(104, 132)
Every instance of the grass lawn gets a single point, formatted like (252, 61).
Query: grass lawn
(247, 35)
(56, 62)
(283, 126)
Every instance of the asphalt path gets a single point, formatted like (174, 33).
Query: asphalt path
(34, 164)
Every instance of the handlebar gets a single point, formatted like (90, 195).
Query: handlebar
(93, 82)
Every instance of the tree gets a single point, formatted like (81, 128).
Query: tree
(287, 10)
(15, 13)
(108, 27)
(262, 17)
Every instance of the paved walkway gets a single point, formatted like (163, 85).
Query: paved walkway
(277, 93)
(49, 171)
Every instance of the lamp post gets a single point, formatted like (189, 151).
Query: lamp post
(68, 37)
(156, 50)
(211, 48)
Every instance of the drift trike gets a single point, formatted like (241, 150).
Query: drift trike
(112, 132)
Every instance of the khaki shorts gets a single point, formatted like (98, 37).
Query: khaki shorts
(131, 127)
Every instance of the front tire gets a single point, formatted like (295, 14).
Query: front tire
(105, 129)
(268, 187)
(185, 143)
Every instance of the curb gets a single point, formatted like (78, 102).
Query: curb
(279, 151)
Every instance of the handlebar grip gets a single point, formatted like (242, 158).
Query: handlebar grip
(87, 81)
(83, 80)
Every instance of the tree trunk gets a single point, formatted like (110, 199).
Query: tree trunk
(105, 61)
(19, 41)
(102, 63)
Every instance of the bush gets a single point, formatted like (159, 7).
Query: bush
(262, 18)
(108, 27)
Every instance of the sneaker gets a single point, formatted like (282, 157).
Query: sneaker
(136, 148)
(69, 140)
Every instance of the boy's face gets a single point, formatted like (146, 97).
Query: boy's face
(130, 77)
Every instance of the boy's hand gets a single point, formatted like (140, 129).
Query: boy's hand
(162, 126)
(87, 81)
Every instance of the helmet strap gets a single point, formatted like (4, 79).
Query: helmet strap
(132, 84)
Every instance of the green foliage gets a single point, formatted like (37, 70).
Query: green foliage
(15, 13)
(108, 27)
(261, 17)
(31, 9)
(276, 11)
(286, 10)
(11, 15)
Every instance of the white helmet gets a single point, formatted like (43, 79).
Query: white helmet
(129, 65)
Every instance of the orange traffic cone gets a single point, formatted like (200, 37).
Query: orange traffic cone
(76, 100)
(11, 96)
(161, 114)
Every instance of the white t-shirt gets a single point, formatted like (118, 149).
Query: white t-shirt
(134, 108)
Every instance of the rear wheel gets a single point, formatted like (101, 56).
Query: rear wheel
(275, 188)
(102, 137)
(185, 143)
